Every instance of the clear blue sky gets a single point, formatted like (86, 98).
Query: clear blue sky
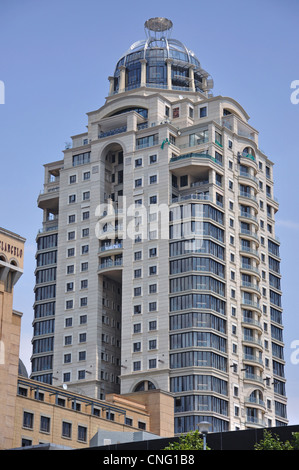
(55, 59)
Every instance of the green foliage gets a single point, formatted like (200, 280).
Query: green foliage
(190, 441)
(270, 442)
(295, 440)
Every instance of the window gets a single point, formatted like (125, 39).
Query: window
(152, 252)
(83, 302)
(137, 347)
(203, 112)
(137, 273)
(72, 179)
(86, 175)
(71, 235)
(85, 215)
(85, 232)
(81, 374)
(84, 284)
(68, 322)
(136, 365)
(72, 219)
(152, 270)
(176, 112)
(69, 304)
(153, 200)
(70, 269)
(184, 180)
(28, 420)
(81, 158)
(72, 198)
(138, 162)
(152, 325)
(153, 179)
(138, 182)
(68, 340)
(67, 358)
(152, 306)
(70, 286)
(44, 424)
(70, 252)
(137, 255)
(82, 433)
(152, 363)
(152, 344)
(86, 196)
(152, 288)
(84, 266)
(152, 159)
(137, 291)
(137, 328)
(137, 309)
(82, 338)
(66, 429)
(84, 249)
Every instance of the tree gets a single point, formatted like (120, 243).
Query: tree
(272, 443)
(190, 441)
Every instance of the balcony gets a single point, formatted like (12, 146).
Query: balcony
(195, 155)
(112, 268)
(251, 322)
(117, 130)
(252, 340)
(252, 358)
(252, 304)
(188, 197)
(251, 286)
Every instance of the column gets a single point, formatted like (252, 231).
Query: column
(191, 78)
(122, 79)
(169, 81)
(111, 85)
(143, 72)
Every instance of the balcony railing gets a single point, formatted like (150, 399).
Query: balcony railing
(111, 264)
(118, 130)
(114, 246)
(195, 155)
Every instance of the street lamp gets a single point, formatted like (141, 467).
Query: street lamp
(204, 427)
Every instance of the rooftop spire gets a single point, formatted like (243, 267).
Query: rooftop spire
(158, 27)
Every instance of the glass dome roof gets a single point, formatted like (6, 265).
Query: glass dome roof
(156, 48)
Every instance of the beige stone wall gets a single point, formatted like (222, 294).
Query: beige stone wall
(11, 264)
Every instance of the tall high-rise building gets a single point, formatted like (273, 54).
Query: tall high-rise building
(157, 264)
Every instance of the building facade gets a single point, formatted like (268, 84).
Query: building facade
(11, 269)
(158, 264)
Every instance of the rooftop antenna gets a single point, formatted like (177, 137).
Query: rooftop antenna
(158, 28)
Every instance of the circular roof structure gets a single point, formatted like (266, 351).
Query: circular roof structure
(156, 49)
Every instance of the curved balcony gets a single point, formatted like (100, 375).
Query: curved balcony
(247, 178)
(250, 322)
(112, 268)
(252, 341)
(248, 159)
(249, 235)
(245, 217)
(252, 421)
(247, 198)
(110, 232)
(111, 249)
(251, 304)
(251, 287)
(251, 252)
(254, 378)
(253, 360)
(248, 269)
(255, 401)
